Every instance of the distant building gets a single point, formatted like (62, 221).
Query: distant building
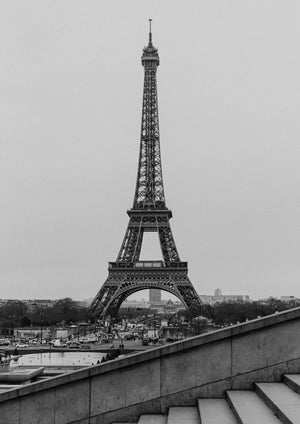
(167, 307)
(136, 304)
(288, 299)
(32, 332)
(264, 301)
(173, 333)
(219, 297)
(32, 304)
(284, 299)
(158, 308)
(218, 292)
(83, 303)
(36, 304)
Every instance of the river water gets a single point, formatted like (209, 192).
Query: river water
(60, 359)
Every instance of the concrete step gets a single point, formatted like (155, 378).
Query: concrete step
(282, 400)
(249, 408)
(293, 381)
(183, 415)
(215, 411)
(153, 419)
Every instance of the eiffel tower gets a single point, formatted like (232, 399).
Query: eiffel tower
(128, 274)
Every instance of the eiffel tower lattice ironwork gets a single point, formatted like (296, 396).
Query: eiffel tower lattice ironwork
(128, 274)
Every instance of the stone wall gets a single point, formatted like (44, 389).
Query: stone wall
(151, 381)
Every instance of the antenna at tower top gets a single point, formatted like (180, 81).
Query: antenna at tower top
(150, 33)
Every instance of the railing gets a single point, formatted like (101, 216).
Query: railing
(147, 264)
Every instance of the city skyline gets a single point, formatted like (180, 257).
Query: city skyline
(228, 92)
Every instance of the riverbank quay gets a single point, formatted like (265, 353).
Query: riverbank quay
(129, 347)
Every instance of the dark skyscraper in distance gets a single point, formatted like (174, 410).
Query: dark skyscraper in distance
(154, 296)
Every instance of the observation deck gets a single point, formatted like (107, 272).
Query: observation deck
(147, 265)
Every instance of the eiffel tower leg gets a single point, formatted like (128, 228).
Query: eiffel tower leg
(103, 298)
(189, 294)
(167, 244)
(132, 243)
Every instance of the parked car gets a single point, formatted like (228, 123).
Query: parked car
(62, 344)
(86, 347)
(58, 343)
(74, 345)
(4, 342)
(129, 337)
(21, 345)
(107, 339)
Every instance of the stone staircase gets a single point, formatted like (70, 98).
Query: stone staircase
(268, 403)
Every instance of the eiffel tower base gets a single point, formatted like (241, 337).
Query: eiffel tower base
(125, 279)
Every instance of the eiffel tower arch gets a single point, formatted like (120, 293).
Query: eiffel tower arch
(128, 274)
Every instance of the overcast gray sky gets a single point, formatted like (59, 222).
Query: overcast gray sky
(70, 109)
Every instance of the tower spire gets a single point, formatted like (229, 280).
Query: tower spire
(149, 192)
(150, 33)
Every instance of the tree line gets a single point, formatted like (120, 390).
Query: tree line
(67, 311)
(223, 314)
(16, 313)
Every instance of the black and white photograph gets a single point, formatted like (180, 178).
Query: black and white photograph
(150, 212)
